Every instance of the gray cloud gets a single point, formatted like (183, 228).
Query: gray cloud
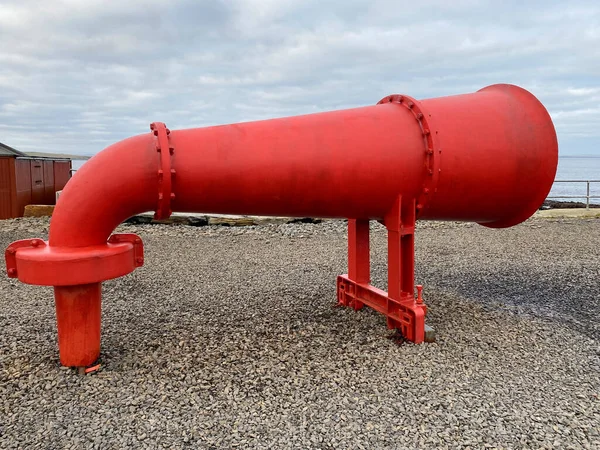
(78, 75)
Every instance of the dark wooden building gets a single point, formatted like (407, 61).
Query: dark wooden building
(26, 180)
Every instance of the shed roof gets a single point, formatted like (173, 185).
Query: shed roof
(6, 150)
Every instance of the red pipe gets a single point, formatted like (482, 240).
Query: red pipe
(488, 157)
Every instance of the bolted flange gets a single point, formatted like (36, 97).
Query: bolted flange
(165, 172)
(432, 147)
(33, 261)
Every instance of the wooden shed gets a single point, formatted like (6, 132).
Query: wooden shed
(26, 180)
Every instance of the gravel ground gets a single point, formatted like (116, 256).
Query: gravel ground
(229, 337)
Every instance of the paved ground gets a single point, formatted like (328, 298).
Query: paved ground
(229, 337)
(570, 213)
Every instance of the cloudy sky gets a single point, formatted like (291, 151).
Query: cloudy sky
(78, 75)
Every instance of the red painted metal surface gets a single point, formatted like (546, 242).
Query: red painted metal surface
(488, 157)
(49, 195)
(37, 182)
(22, 184)
(78, 319)
(62, 174)
(165, 173)
(33, 261)
(26, 181)
(6, 187)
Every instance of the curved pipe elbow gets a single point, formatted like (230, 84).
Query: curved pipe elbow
(115, 184)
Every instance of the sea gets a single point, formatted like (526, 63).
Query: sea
(569, 168)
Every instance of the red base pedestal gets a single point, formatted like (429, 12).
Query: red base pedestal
(78, 310)
(406, 315)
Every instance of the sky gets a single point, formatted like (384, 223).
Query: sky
(79, 75)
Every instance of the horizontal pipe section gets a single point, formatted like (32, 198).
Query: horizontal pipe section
(497, 150)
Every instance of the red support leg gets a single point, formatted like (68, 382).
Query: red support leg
(78, 319)
(403, 312)
(359, 267)
(393, 223)
(399, 305)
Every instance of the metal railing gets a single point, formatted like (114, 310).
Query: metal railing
(587, 196)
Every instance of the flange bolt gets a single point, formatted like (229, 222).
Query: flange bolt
(419, 294)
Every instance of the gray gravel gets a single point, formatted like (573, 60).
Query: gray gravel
(229, 337)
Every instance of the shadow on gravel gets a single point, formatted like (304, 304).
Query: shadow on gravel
(549, 296)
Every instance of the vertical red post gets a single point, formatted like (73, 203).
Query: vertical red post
(400, 224)
(359, 267)
(359, 264)
(393, 223)
(407, 248)
(78, 317)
